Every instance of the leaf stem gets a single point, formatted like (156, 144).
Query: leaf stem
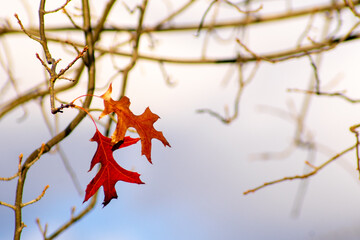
(87, 112)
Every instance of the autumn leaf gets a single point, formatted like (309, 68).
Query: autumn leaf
(142, 123)
(110, 172)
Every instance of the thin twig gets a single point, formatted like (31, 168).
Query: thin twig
(25, 31)
(76, 26)
(253, 54)
(135, 49)
(353, 129)
(74, 218)
(174, 14)
(34, 156)
(19, 225)
(250, 19)
(36, 199)
(54, 76)
(70, 170)
(41, 151)
(203, 17)
(308, 27)
(316, 75)
(202, 21)
(43, 231)
(243, 11)
(80, 55)
(242, 84)
(7, 205)
(59, 150)
(327, 94)
(316, 170)
(279, 56)
(166, 76)
(43, 63)
(59, 8)
(351, 4)
(7, 64)
(17, 173)
(134, 56)
(43, 40)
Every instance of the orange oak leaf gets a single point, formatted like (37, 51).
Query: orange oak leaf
(142, 123)
(110, 172)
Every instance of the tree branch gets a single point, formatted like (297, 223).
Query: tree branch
(316, 169)
(36, 199)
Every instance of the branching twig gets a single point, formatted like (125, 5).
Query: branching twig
(134, 55)
(202, 21)
(242, 84)
(59, 8)
(356, 132)
(36, 199)
(19, 225)
(316, 170)
(76, 26)
(7, 205)
(43, 41)
(166, 76)
(327, 94)
(42, 230)
(316, 75)
(275, 57)
(25, 31)
(254, 55)
(17, 173)
(27, 165)
(60, 152)
(174, 14)
(351, 4)
(279, 56)
(54, 76)
(135, 49)
(249, 20)
(73, 219)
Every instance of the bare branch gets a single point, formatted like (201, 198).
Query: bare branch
(354, 130)
(24, 30)
(7, 205)
(27, 165)
(174, 14)
(202, 21)
(351, 4)
(242, 84)
(316, 75)
(254, 55)
(36, 199)
(17, 173)
(43, 40)
(316, 170)
(74, 218)
(43, 231)
(80, 55)
(135, 49)
(327, 94)
(59, 8)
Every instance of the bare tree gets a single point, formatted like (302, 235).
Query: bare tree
(82, 29)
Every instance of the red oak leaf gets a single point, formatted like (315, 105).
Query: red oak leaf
(142, 123)
(110, 172)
